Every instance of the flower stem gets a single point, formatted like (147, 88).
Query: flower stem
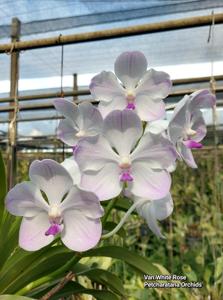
(127, 214)
(109, 207)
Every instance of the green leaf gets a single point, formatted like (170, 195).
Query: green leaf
(218, 268)
(13, 297)
(75, 288)
(105, 278)
(29, 267)
(139, 263)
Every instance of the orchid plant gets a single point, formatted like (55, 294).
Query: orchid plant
(122, 146)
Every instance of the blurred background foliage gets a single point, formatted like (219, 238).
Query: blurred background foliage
(193, 246)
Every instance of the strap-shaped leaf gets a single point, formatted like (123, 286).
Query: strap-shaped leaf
(105, 278)
(141, 264)
(73, 288)
(14, 297)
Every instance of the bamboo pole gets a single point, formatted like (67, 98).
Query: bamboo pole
(42, 106)
(14, 79)
(112, 33)
(86, 92)
(46, 96)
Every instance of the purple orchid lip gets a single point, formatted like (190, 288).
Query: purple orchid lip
(131, 106)
(192, 144)
(54, 229)
(126, 176)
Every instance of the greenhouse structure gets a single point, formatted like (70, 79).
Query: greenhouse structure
(111, 149)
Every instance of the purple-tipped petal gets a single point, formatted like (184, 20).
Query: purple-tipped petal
(192, 144)
(122, 129)
(80, 233)
(202, 99)
(51, 178)
(32, 232)
(25, 199)
(130, 67)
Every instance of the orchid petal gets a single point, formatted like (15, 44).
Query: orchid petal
(105, 87)
(130, 67)
(66, 132)
(72, 168)
(155, 150)
(107, 107)
(148, 183)
(91, 119)
(149, 110)
(25, 199)
(156, 210)
(155, 85)
(180, 120)
(32, 232)
(51, 178)
(80, 233)
(187, 155)
(94, 154)
(67, 109)
(198, 124)
(85, 202)
(104, 183)
(157, 127)
(122, 129)
(201, 99)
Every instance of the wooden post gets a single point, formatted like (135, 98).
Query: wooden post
(14, 78)
(75, 87)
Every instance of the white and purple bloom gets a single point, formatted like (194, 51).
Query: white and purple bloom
(50, 205)
(116, 160)
(138, 89)
(152, 211)
(81, 121)
(187, 126)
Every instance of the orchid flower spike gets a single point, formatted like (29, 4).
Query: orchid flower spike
(138, 89)
(116, 160)
(51, 205)
(187, 126)
(81, 121)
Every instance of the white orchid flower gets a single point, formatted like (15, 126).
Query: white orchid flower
(50, 205)
(155, 210)
(116, 159)
(138, 89)
(81, 121)
(187, 126)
